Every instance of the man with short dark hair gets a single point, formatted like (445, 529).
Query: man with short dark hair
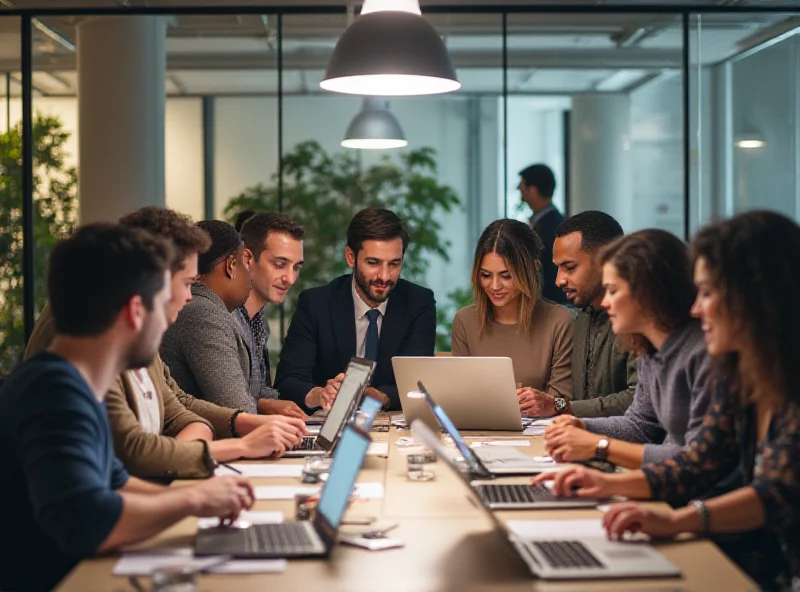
(536, 186)
(370, 313)
(160, 432)
(274, 250)
(603, 376)
(67, 495)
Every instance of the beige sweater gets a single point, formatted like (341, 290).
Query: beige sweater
(541, 360)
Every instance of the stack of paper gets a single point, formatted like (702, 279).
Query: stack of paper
(287, 492)
(537, 427)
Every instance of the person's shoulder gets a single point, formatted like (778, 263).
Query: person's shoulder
(43, 381)
(556, 314)
(325, 291)
(467, 315)
(414, 292)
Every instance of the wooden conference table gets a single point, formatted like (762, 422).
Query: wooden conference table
(449, 544)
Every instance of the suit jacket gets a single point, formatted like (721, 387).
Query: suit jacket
(206, 353)
(545, 227)
(322, 337)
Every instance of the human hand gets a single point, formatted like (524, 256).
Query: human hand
(569, 420)
(567, 443)
(324, 396)
(222, 497)
(280, 407)
(577, 481)
(535, 403)
(622, 518)
(276, 434)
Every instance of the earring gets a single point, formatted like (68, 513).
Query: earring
(233, 276)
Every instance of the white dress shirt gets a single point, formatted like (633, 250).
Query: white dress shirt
(362, 322)
(147, 401)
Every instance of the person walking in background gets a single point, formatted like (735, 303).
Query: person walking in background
(536, 186)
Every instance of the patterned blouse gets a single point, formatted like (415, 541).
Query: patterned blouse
(727, 439)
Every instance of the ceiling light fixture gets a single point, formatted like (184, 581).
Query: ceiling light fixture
(390, 50)
(374, 128)
(750, 141)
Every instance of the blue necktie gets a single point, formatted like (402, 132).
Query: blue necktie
(371, 342)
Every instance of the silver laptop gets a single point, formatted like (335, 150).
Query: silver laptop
(563, 557)
(297, 539)
(478, 393)
(355, 380)
(496, 496)
(484, 462)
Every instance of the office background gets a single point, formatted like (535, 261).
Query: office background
(663, 115)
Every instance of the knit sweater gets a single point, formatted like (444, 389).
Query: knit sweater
(671, 398)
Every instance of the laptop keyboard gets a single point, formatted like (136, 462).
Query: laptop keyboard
(514, 494)
(381, 424)
(566, 554)
(289, 537)
(308, 443)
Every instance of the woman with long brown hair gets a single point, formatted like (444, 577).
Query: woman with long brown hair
(509, 317)
(649, 293)
(747, 270)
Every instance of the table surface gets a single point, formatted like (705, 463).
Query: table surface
(449, 544)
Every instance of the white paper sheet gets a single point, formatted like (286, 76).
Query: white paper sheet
(284, 492)
(287, 492)
(141, 563)
(558, 529)
(378, 449)
(261, 470)
(515, 443)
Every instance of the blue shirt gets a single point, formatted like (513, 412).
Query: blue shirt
(58, 472)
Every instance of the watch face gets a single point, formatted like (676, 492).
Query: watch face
(559, 404)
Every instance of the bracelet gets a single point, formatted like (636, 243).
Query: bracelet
(702, 510)
(233, 423)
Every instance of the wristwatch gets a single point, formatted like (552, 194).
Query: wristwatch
(601, 451)
(560, 405)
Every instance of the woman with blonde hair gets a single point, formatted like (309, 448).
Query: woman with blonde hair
(510, 318)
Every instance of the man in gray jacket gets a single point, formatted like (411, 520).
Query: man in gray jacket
(603, 376)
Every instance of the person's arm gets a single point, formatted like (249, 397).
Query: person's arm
(144, 515)
(567, 443)
(298, 356)
(458, 337)
(613, 404)
(179, 422)
(559, 384)
(152, 456)
(639, 424)
(218, 417)
(208, 343)
(136, 485)
(420, 341)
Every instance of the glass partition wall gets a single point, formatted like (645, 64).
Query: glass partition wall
(665, 117)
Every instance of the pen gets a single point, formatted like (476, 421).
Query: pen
(230, 468)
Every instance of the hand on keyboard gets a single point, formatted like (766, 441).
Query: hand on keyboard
(221, 497)
(272, 439)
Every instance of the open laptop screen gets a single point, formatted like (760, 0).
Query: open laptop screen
(450, 430)
(347, 462)
(355, 378)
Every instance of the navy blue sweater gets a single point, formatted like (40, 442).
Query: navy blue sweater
(58, 471)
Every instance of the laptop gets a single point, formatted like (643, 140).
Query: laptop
(496, 496)
(478, 393)
(560, 558)
(307, 538)
(356, 379)
(484, 462)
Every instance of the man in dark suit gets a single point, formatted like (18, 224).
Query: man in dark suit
(371, 313)
(537, 185)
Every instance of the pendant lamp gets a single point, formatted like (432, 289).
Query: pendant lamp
(390, 50)
(374, 128)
